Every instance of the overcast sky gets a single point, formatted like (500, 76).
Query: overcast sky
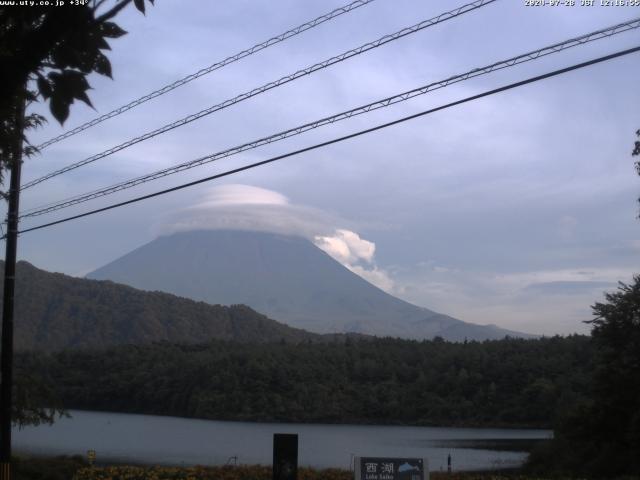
(518, 209)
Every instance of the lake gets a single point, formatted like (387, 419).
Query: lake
(182, 441)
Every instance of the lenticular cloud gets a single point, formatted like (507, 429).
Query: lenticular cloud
(250, 208)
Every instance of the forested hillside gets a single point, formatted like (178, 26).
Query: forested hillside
(55, 311)
(508, 382)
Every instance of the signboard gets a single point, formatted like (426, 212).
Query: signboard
(285, 456)
(380, 468)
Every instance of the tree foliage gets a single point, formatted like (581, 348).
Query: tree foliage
(510, 383)
(47, 52)
(34, 400)
(58, 48)
(615, 416)
(636, 152)
(600, 435)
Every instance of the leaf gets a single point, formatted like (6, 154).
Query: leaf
(139, 5)
(59, 109)
(75, 85)
(63, 56)
(86, 60)
(82, 95)
(30, 151)
(111, 30)
(66, 87)
(44, 87)
(102, 44)
(102, 65)
(34, 120)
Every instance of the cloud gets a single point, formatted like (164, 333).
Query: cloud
(357, 254)
(346, 246)
(538, 301)
(246, 207)
(568, 287)
(235, 194)
(523, 280)
(378, 277)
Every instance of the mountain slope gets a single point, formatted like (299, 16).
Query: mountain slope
(287, 278)
(55, 311)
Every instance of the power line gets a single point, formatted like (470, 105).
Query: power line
(340, 139)
(268, 86)
(526, 57)
(596, 35)
(216, 66)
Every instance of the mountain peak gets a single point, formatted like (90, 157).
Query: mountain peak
(285, 277)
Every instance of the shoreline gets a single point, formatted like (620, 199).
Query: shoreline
(323, 423)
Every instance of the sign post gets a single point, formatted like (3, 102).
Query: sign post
(285, 456)
(381, 468)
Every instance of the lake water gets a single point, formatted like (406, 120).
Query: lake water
(181, 441)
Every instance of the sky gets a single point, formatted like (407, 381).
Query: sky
(519, 209)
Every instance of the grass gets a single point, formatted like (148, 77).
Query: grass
(248, 473)
(56, 468)
(76, 468)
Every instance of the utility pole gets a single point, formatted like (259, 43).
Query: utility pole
(6, 372)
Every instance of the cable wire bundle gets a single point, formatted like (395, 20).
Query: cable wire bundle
(211, 68)
(340, 139)
(383, 103)
(268, 86)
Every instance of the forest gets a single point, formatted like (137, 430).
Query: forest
(584, 387)
(57, 311)
(509, 383)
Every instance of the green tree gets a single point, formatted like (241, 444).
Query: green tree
(600, 435)
(35, 400)
(636, 152)
(46, 52)
(616, 395)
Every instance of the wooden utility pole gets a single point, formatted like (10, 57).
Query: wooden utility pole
(6, 372)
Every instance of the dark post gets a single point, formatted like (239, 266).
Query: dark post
(285, 456)
(6, 373)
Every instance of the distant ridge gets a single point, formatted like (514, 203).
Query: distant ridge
(55, 311)
(286, 277)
